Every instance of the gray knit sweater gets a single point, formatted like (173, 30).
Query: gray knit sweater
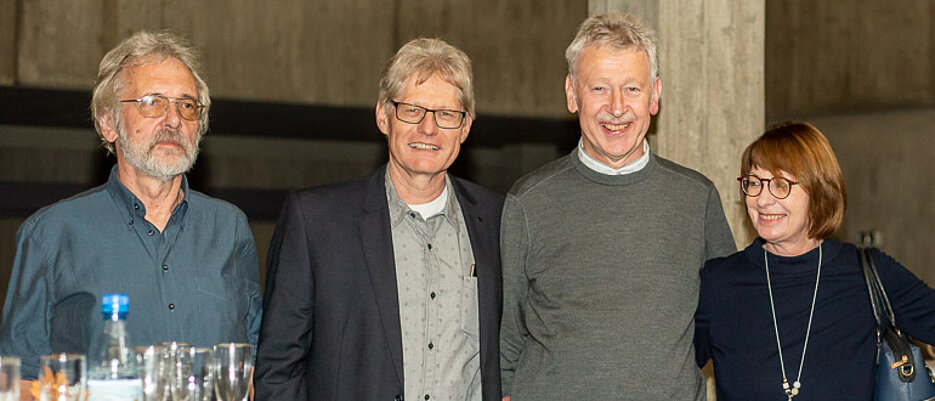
(600, 281)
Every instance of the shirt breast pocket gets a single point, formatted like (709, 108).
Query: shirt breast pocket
(469, 321)
(221, 300)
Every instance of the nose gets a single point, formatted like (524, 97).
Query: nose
(172, 117)
(427, 125)
(617, 103)
(765, 198)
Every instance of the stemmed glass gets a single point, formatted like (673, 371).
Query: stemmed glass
(154, 370)
(9, 378)
(233, 363)
(193, 375)
(63, 377)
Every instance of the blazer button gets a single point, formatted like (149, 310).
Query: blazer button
(398, 398)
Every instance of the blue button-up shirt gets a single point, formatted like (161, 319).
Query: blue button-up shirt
(196, 281)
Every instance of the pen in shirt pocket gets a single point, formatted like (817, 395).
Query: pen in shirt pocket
(473, 271)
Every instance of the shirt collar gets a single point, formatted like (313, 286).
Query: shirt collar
(399, 209)
(133, 206)
(602, 168)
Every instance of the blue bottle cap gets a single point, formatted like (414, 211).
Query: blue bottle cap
(115, 302)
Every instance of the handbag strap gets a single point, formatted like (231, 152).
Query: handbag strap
(883, 298)
(871, 288)
(897, 341)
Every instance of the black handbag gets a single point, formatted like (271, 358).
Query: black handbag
(901, 371)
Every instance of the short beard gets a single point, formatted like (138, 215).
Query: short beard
(142, 158)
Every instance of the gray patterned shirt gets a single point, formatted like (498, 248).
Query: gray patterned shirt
(437, 301)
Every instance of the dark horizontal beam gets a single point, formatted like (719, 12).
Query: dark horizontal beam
(70, 109)
(258, 204)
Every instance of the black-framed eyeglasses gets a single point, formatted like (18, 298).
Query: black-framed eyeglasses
(752, 186)
(413, 114)
(155, 106)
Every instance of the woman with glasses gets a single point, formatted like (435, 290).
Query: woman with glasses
(789, 317)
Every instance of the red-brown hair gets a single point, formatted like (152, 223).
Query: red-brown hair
(802, 150)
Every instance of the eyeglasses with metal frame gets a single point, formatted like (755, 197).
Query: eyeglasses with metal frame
(155, 106)
(779, 187)
(414, 114)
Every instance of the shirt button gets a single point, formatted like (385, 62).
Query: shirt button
(431, 346)
(413, 215)
(430, 246)
(136, 206)
(165, 268)
(171, 306)
(130, 222)
(427, 397)
(432, 295)
(151, 232)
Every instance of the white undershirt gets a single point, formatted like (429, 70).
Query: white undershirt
(602, 168)
(435, 207)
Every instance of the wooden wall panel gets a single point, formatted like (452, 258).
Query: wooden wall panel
(517, 47)
(60, 43)
(863, 55)
(7, 41)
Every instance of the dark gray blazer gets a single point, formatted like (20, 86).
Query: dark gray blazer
(331, 326)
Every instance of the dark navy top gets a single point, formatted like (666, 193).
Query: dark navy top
(734, 326)
(197, 281)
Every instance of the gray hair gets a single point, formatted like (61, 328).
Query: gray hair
(425, 58)
(139, 49)
(622, 31)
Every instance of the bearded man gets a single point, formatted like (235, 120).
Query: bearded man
(187, 261)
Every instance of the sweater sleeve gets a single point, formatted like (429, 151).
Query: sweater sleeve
(514, 246)
(719, 241)
(913, 301)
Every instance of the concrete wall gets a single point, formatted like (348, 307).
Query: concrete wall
(888, 160)
(833, 57)
(321, 52)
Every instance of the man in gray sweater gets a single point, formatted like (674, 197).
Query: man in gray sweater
(602, 248)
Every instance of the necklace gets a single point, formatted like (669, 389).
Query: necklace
(794, 389)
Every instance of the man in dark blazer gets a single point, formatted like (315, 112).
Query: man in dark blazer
(388, 287)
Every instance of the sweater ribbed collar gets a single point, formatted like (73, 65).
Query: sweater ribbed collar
(604, 179)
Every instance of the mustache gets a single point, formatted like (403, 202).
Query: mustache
(169, 135)
(605, 116)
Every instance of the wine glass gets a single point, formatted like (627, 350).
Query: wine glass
(62, 377)
(233, 363)
(9, 378)
(154, 370)
(193, 375)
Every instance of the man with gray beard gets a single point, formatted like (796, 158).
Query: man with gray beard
(187, 261)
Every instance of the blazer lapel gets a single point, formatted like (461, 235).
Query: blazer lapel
(377, 242)
(487, 262)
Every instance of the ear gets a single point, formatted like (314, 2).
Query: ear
(383, 121)
(109, 127)
(466, 128)
(657, 93)
(570, 96)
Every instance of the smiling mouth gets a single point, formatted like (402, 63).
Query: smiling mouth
(771, 217)
(616, 127)
(423, 146)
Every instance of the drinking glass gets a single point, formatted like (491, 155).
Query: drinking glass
(233, 363)
(193, 375)
(62, 377)
(154, 370)
(9, 378)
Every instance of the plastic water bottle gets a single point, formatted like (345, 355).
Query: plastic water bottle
(113, 370)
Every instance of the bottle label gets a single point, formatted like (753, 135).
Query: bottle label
(115, 390)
